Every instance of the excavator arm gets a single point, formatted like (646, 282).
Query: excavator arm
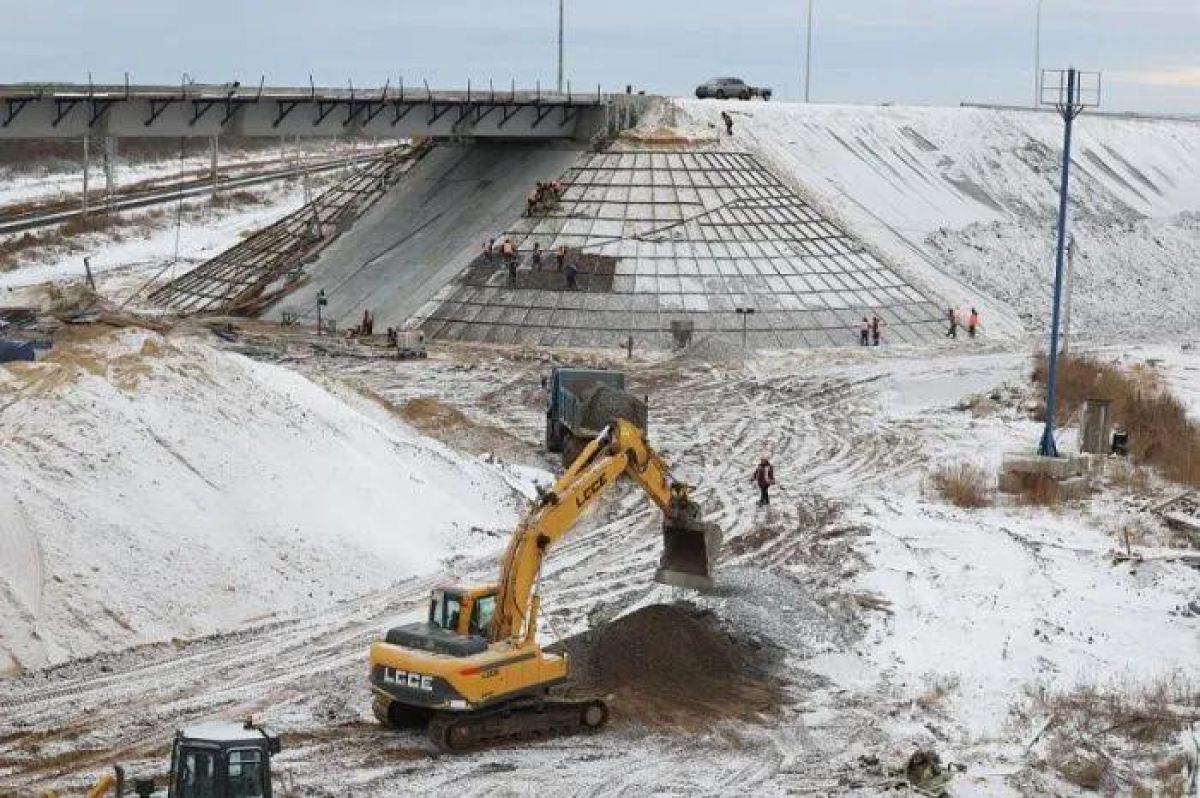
(621, 449)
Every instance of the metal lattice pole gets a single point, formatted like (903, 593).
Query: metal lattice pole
(1069, 110)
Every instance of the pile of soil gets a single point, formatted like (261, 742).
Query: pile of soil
(672, 666)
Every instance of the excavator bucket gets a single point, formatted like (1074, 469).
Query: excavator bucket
(689, 550)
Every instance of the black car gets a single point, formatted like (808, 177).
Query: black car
(730, 88)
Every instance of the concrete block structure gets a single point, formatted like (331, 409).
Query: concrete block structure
(680, 236)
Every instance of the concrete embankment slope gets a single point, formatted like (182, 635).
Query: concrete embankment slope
(426, 230)
(965, 200)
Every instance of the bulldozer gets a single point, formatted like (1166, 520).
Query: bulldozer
(209, 760)
(473, 672)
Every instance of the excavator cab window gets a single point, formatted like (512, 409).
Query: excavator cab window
(246, 773)
(445, 609)
(197, 774)
(481, 615)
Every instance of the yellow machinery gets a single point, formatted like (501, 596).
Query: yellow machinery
(474, 671)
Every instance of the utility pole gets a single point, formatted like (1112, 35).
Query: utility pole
(745, 313)
(87, 163)
(561, 12)
(1070, 105)
(1037, 57)
(808, 54)
(213, 164)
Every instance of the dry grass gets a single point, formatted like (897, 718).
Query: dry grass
(963, 485)
(1129, 477)
(63, 237)
(1086, 772)
(1117, 736)
(1160, 432)
(236, 199)
(936, 689)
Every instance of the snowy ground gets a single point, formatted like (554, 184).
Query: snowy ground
(902, 621)
(966, 199)
(156, 489)
(887, 599)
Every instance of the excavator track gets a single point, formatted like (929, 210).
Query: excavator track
(524, 720)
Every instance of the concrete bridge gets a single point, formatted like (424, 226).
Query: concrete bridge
(191, 110)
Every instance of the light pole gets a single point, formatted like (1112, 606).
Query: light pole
(1070, 104)
(1037, 57)
(745, 313)
(808, 53)
(561, 12)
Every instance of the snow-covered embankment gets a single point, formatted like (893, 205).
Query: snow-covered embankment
(965, 200)
(154, 488)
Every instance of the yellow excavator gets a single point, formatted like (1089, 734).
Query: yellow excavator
(473, 672)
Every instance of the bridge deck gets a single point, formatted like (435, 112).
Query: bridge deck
(72, 111)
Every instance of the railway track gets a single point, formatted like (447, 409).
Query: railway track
(67, 210)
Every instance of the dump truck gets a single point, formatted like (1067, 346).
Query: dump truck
(474, 672)
(581, 402)
(217, 759)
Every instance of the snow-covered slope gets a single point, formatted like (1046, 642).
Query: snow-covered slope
(967, 198)
(154, 488)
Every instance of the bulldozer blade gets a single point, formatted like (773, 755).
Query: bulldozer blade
(689, 552)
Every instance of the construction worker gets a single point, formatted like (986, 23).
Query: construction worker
(728, 120)
(875, 332)
(864, 332)
(508, 250)
(512, 273)
(764, 477)
(536, 258)
(572, 277)
(972, 322)
(489, 250)
(952, 318)
(561, 255)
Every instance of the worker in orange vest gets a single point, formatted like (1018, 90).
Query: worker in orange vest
(972, 322)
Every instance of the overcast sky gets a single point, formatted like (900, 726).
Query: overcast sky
(914, 51)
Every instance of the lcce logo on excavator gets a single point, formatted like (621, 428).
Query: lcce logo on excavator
(414, 681)
(590, 491)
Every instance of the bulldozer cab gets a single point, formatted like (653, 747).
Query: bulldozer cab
(463, 611)
(222, 760)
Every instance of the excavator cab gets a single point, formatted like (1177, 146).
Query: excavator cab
(222, 760)
(462, 611)
(208, 760)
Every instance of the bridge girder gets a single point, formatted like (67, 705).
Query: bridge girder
(71, 112)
